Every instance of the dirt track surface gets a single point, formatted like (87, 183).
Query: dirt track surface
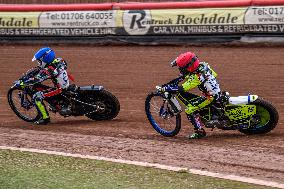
(131, 72)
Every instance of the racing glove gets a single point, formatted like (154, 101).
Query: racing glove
(170, 88)
(20, 84)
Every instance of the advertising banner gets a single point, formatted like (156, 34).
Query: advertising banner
(65, 23)
(269, 19)
(265, 15)
(181, 21)
(156, 22)
(239, 20)
(10, 22)
(79, 23)
(78, 19)
(19, 20)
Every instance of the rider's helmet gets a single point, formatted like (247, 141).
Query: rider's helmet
(186, 62)
(44, 56)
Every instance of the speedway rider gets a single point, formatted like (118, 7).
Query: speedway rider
(50, 68)
(196, 74)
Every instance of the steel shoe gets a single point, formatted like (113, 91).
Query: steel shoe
(42, 121)
(200, 133)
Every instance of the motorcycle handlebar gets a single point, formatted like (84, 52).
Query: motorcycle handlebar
(30, 73)
(176, 80)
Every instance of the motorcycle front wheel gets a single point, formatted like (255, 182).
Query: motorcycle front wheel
(160, 114)
(22, 104)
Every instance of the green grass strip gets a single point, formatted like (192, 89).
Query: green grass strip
(32, 170)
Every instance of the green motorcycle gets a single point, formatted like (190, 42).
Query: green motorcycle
(248, 114)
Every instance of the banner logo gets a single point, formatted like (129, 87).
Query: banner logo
(136, 22)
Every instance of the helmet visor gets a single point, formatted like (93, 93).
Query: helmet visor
(183, 71)
(174, 63)
(34, 58)
(39, 62)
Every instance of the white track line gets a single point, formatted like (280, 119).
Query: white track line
(155, 165)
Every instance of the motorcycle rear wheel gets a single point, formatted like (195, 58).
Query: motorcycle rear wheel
(109, 104)
(268, 118)
(162, 119)
(28, 113)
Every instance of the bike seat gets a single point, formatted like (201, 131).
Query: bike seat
(72, 88)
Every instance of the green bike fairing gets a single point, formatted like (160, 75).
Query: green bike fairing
(240, 112)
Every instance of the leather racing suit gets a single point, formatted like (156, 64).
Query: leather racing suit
(205, 79)
(56, 71)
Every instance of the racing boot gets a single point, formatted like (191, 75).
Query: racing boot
(42, 121)
(44, 116)
(199, 132)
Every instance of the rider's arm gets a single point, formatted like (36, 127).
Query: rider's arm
(207, 68)
(172, 86)
(191, 82)
(40, 77)
(213, 72)
(176, 81)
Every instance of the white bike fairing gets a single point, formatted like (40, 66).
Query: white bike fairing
(242, 99)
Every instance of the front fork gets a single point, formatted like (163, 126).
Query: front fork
(172, 100)
(169, 108)
(25, 102)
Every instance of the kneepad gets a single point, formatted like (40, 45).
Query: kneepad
(38, 96)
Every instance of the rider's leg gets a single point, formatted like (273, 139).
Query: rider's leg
(44, 119)
(200, 103)
(195, 119)
(199, 131)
